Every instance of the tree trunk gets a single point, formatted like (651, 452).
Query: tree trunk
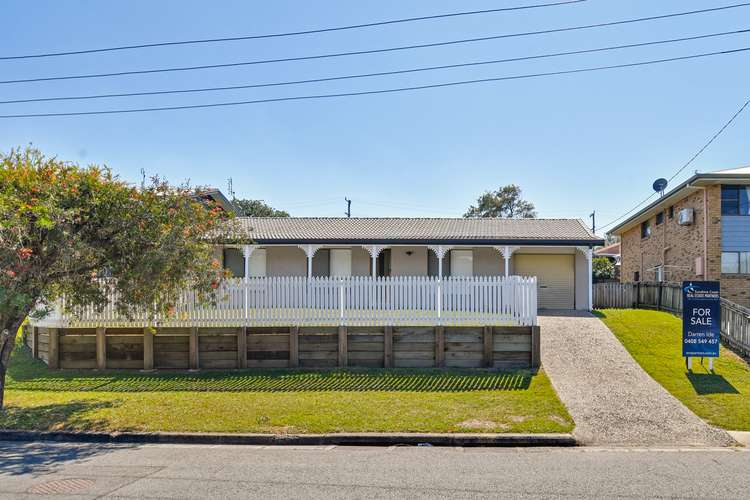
(7, 343)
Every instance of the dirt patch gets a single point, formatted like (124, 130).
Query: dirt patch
(558, 419)
(518, 419)
(486, 425)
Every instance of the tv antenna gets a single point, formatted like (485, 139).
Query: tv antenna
(230, 189)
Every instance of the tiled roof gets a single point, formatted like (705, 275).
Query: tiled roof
(608, 251)
(395, 230)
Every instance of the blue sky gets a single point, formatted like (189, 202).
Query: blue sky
(574, 143)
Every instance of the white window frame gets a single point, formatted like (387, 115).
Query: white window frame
(740, 264)
(462, 262)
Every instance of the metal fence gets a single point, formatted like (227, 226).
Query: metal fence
(735, 319)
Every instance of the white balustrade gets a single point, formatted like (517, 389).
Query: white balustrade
(324, 301)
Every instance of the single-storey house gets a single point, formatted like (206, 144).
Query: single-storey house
(557, 252)
(350, 292)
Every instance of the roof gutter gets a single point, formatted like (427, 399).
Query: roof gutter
(432, 241)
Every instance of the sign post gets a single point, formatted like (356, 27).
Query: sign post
(701, 320)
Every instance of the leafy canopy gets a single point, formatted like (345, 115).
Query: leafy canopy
(63, 226)
(257, 208)
(603, 268)
(506, 202)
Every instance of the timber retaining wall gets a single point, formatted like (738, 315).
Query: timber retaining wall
(498, 347)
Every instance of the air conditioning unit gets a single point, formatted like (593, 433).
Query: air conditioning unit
(686, 217)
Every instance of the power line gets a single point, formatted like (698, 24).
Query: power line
(688, 163)
(368, 75)
(292, 33)
(371, 51)
(713, 138)
(379, 91)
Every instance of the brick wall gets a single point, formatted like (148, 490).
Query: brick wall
(736, 288)
(677, 247)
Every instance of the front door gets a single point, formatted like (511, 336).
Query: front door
(384, 263)
(341, 262)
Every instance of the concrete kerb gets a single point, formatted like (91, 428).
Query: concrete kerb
(338, 439)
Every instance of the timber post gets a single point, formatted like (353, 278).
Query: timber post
(294, 347)
(148, 349)
(193, 349)
(242, 347)
(35, 342)
(343, 349)
(487, 347)
(53, 352)
(388, 347)
(440, 346)
(536, 349)
(101, 348)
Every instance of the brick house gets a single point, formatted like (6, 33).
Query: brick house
(699, 230)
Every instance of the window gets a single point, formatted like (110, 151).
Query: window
(735, 200)
(645, 229)
(234, 262)
(462, 263)
(660, 218)
(735, 262)
(637, 276)
(671, 212)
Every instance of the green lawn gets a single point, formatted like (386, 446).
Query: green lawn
(654, 339)
(281, 401)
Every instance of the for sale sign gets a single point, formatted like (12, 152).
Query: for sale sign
(701, 319)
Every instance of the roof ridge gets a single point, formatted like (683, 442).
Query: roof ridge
(418, 218)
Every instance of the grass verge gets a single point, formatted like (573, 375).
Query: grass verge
(654, 339)
(282, 401)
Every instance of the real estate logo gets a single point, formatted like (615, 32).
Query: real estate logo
(701, 319)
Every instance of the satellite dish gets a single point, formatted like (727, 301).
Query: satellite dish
(660, 185)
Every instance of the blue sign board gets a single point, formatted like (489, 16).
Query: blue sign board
(701, 319)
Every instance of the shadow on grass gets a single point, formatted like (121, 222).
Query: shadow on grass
(71, 415)
(27, 458)
(710, 383)
(29, 374)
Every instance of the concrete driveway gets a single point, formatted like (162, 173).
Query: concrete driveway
(612, 400)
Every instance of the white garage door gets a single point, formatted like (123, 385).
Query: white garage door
(555, 276)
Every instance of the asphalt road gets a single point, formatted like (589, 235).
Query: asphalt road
(193, 471)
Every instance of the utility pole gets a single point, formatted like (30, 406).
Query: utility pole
(348, 207)
(593, 221)
(143, 178)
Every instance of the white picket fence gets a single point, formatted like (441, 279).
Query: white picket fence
(353, 301)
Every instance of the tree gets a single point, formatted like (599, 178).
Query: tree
(62, 227)
(506, 202)
(603, 268)
(257, 208)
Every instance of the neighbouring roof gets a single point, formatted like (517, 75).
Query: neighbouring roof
(739, 175)
(417, 230)
(612, 250)
(218, 197)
